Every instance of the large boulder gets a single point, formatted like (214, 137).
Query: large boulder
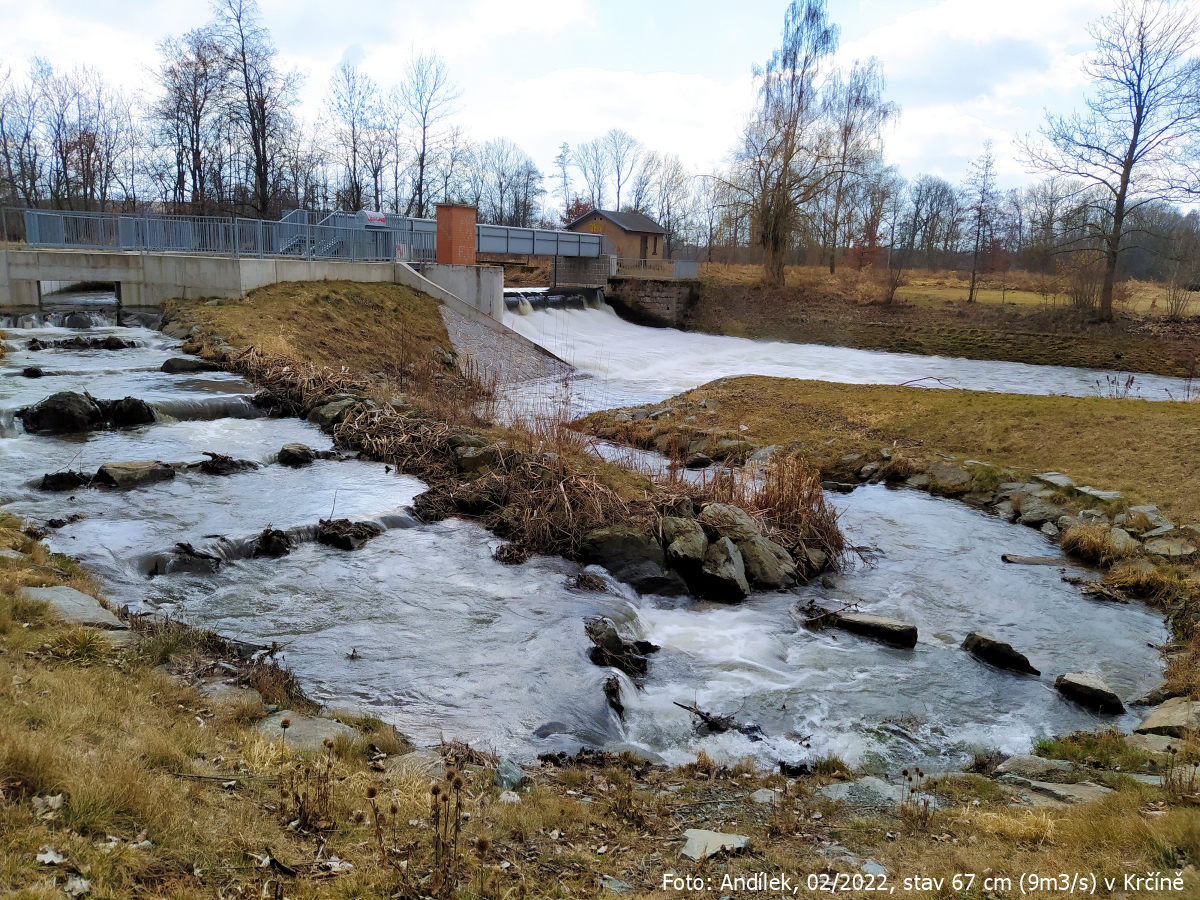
(63, 413)
(1177, 718)
(685, 541)
(177, 365)
(767, 564)
(473, 460)
(725, 520)
(133, 474)
(1089, 690)
(1037, 511)
(949, 478)
(72, 606)
(328, 415)
(723, 575)
(997, 653)
(632, 556)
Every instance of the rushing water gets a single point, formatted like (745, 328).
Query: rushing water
(450, 642)
(631, 364)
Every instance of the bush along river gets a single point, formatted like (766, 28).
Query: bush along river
(191, 492)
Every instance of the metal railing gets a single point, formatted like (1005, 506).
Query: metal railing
(656, 268)
(336, 236)
(228, 236)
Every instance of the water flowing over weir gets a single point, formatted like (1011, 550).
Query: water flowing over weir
(450, 642)
(632, 364)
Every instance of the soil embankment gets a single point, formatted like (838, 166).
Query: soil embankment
(817, 308)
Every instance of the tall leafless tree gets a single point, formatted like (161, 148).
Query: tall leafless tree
(1141, 127)
(428, 95)
(858, 113)
(784, 156)
(264, 93)
(980, 196)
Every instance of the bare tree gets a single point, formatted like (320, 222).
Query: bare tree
(428, 96)
(621, 151)
(354, 104)
(856, 108)
(265, 95)
(192, 77)
(592, 163)
(980, 196)
(562, 166)
(1142, 122)
(783, 157)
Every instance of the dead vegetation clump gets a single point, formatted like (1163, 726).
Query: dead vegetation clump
(1094, 544)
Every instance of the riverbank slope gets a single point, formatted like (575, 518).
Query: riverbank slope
(931, 317)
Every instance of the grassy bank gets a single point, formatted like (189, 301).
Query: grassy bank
(930, 316)
(532, 482)
(1146, 449)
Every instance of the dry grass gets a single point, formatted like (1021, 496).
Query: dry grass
(1095, 440)
(1093, 543)
(336, 324)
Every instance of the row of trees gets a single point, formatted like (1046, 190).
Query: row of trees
(217, 133)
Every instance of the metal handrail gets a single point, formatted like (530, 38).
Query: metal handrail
(294, 235)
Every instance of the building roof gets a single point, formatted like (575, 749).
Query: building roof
(626, 221)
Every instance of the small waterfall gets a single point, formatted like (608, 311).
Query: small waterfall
(205, 409)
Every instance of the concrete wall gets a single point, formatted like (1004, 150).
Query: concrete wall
(663, 304)
(582, 271)
(480, 286)
(147, 279)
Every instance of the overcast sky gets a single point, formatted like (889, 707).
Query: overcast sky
(677, 75)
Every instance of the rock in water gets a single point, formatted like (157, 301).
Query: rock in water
(32, 372)
(890, 631)
(610, 649)
(127, 412)
(133, 474)
(273, 543)
(723, 575)
(346, 535)
(186, 559)
(64, 481)
(219, 464)
(685, 542)
(63, 413)
(767, 564)
(1089, 690)
(631, 556)
(296, 455)
(997, 653)
(78, 320)
(181, 364)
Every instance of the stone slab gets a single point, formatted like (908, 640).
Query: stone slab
(699, 844)
(73, 607)
(305, 732)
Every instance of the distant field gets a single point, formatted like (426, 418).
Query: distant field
(938, 288)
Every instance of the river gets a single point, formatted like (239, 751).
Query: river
(451, 643)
